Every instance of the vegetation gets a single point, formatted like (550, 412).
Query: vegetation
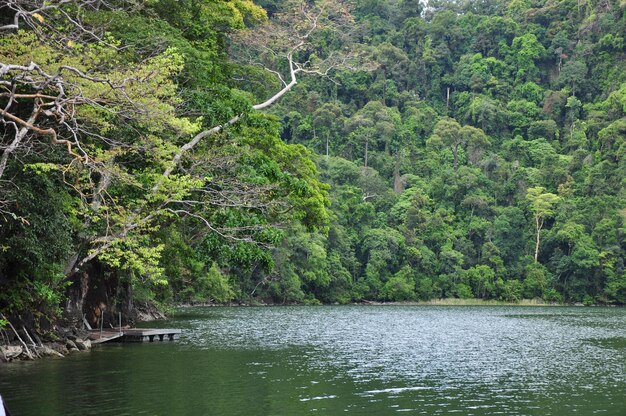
(329, 151)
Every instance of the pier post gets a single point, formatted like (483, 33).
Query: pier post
(101, 322)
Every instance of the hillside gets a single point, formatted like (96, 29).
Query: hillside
(306, 152)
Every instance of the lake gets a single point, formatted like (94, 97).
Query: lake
(332, 360)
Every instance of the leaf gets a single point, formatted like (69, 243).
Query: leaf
(38, 17)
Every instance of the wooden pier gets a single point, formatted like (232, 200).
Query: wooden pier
(140, 334)
(106, 335)
(133, 335)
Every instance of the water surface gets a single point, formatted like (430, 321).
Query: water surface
(361, 360)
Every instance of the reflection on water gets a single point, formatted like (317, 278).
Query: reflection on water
(374, 360)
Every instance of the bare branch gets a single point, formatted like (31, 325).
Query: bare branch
(367, 196)
(219, 231)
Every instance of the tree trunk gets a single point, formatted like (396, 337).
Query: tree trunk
(539, 225)
(367, 140)
(397, 180)
(327, 150)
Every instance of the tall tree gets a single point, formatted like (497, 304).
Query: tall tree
(542, 205)
(448, 132)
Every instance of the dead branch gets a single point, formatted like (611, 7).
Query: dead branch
(17, 335)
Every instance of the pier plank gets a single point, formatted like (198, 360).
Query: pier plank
(97, 337)
(134, 335)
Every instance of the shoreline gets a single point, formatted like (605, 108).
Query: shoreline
(18, 352)
(432, 302)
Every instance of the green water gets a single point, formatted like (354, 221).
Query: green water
(362, 360)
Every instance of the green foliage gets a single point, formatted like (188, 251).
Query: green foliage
(161, 63)
(523, 55)
(511, 290)
(481, 280)
(400, 287)
(536, 281)
(36, 244)
(486, 176)
(463, 291)
(542, 203)
(475, 135)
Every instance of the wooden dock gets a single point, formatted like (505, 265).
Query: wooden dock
(133, 335)
(145, 334)
(97, 337)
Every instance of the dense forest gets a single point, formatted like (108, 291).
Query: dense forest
(310, 151)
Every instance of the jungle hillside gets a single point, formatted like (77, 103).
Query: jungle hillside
(284, 151)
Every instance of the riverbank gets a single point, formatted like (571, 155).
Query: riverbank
(488, 302)
(481, 302)
(432, 302)
(23, 351)
(21, 342)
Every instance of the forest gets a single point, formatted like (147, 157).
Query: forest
(323, 151)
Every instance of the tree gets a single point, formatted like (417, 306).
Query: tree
(288, 43)
(523, 55)
(328, 120)
(481, 280)
(400, 287)
(573, 73)
(75, 111)
(65, 89)
(576, 260)
(559, 46)
(116, 138)
(448, 132)
(542, 207)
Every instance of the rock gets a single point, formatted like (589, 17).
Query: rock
(60, 348)
(83, 344)
(71, 337)
(10, 352)
(145, 311)
(71, 345)
(46, 351)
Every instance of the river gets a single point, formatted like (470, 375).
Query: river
(332, 360)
